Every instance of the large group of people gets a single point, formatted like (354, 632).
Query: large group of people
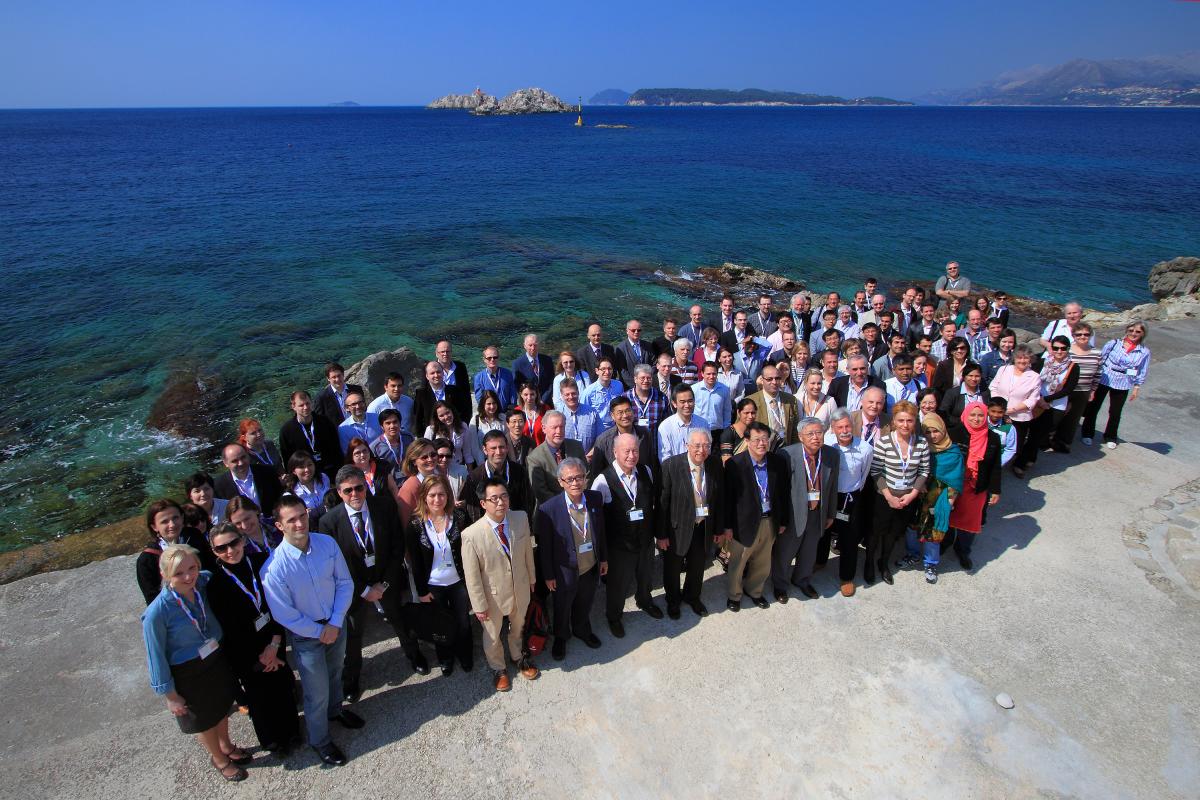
(765, 439)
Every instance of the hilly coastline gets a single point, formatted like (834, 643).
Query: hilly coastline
(749, 97)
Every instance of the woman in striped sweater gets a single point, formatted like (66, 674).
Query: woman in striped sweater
(900, 468)
(1087, 363)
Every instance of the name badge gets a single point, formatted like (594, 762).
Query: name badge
(635, 515)
(261, 621)
(208, 648)
(701, 512)
(842, 516)
(903, 485)
(814, 497)
(1131, 372)
(369, 560)
(315, 456)
(586, 547)
(644, 422)
(766, 506)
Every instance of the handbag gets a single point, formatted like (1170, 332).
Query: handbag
(429, 622)
(537, 627)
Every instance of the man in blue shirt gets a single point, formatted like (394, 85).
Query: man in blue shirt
(600, 393)
(495, 377)
(309, 589)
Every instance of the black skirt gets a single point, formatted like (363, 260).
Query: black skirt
(206, 685)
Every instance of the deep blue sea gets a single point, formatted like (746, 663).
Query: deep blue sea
(259, 243)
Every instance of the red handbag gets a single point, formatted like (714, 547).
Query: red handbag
(537, 627)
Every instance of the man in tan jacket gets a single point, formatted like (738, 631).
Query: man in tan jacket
(497, 555)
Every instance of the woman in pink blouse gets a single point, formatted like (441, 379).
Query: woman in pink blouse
(1022, 388)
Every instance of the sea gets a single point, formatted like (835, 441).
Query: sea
(254, 244)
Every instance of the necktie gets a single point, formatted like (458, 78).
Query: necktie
(776, 417)
(357, 521)
(502, 535)
(697, 486)
(869, 432)
(558, 456)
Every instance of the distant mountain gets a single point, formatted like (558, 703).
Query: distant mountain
(345, 104)
(748, 97)
(1158, 81)
(609, 97)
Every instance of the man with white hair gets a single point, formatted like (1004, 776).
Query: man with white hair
(813, 469)
(534, 368)
(952, 284)
(690, 511)
(1072, 313)
(877, 307)
(801, 313)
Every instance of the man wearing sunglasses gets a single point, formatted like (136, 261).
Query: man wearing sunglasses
(364, 526)
(495, 377)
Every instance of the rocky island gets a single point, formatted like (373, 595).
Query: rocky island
(523, 101)
(749, 97)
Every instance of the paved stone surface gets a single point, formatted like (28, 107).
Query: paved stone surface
(887, 694)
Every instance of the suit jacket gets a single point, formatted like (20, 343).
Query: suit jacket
(423, 403)
(728, 339)
(327, 406)
(389, 547)
(620, 532)
(585, 358)
(743, 504)
(523, 373)
(627, 360)
(791, 414)
(520, 494)
(830, 464)
(660, 346)
(498, 583)
(856, 424)
(988, 479)
(760, 328)
(458, 393)
(419, 548)
(955, 401)
(292, 439)
(839, 387)
(266, 482)
(543, 469)
(677, 501)
(917, 329)
(903, 321)
(556, 537)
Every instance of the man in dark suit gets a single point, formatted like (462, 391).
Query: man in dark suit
(309, 433)
(732, 340)
(690, 514)
(723, 321)
(631, 352)
(331, 401)
(666, 342)
(847, 390)
(431, 392)
(587, 356)
(573, 554)
(813, 478)
(497, 465)
(926, 325)
(252, 481)
(757, 509)
(365, 529)
(544, 460)
(629, 494)
(624, 421)
(534, 368)
(455, 379)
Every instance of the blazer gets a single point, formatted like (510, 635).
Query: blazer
(420, 549)
(498, 583)
(988, 479)
(423, 403)
(760, 328)
(839, 387)
(626, 360)
(743, 508)
(236, 613)
(458, 394)
(917, 329)
(660, 346)
(585, 357)
(389, 547)
(292, 440)
(327, 406)
(830, 464)
(677, 501)
(520, 493)
(728, 339)
(266, 482)
(943, 378)
(543, 469)
(523, 373)
(955, 401)
(791, 414)
(856, 423)
(556, 537)
(619, 531)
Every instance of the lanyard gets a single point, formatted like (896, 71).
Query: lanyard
(491, 474)
(246, 486)
(202, 625)
(583, 531)
(495, 383)
(814, 479)
(369, 536)
(396, 457)
(441, 541)
(310, 434)
(263, 457)
(626, 486)
(253, 545)
(643, 409)
(763, 482)
(256, 595)
(903, 460)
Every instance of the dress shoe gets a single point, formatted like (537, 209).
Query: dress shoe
(466, 664)
(502, 682)
(591, 640)
(559, 649)
(733, 605)
(673, 612)
(528, 669)
(966, 562)
(348, 719)
(781, 597)
(761, 601)
(700, 609)
(886, 576)
(652, 610)
(617, 628)
(332, 755)
(868, 577)
(352, 696)
(447, 668)
(419, 664)
(808, 591)
(848, 589)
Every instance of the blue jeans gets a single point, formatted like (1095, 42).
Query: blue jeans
(320, 668)
(933, 550)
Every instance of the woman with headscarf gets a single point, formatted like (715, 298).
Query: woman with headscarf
(981, 483)
(944, 486)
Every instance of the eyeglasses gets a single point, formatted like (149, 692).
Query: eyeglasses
(425, 457)
(1082, 335)
(444, 455)
(960, 349)
(1058, 348)
(635, 330)
(574, 479)
(496, 500)
(491, 358)
(353, 489)
(221, 548)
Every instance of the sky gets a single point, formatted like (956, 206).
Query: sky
(136, 53)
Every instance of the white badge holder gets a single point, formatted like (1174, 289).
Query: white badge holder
(208, 648)
(261, 621)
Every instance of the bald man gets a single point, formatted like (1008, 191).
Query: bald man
(252, 481)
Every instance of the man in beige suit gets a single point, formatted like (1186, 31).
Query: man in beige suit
(777, 409)
(497, 556)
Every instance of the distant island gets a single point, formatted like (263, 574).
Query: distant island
(522, 101)
(609, 97)
(1162, 81)
(344, 104)
(749, 97)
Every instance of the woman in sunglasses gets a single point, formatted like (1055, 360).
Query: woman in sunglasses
(420, 462)
(1123, 365)
(1087, 363)
(253, 641)
(1059, 377)
(948, 375)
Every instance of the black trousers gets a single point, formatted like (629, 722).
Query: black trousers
(1115, 406)
(455, 600)
(691, 564)
(625, 569)
(890, 525)
(356, 622)
(1022, 429)
(849, 534)
(573, 605)
(1041, 429)
(1064, 433)
(271, 698)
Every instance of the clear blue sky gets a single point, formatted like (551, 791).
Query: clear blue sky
(72, 53)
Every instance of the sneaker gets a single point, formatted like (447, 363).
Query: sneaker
(1111, 445)
(930, 574)
(907, 562)
(1086, 440)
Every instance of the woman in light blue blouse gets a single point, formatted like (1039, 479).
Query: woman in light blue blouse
(187, 664)
(1123, 365)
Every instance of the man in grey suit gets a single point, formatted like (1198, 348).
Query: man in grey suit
(690, 510)
(544, 460)
(631, 352)
(813, 468)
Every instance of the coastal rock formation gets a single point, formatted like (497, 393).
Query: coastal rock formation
(196, 402)
(1176, 284)
(462, 102)
(371, 372)
(1179, 276)
(524, 101)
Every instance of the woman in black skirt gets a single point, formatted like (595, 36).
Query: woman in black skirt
(253, 641)
(187, 663)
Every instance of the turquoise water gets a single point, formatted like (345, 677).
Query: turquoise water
(258, 243)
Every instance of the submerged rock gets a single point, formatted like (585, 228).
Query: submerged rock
(196, 402)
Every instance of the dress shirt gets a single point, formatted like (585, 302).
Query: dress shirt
(368, 430)
(938, 350)
(170, 636)
(1008, 439)
(651, 411)
(735, 382)
(1025, 389)
(977, 341)
(305, 586)
(601, 483)
(850, 330)
(673, 435)
(313, 500)
(246, 488)
(1116, 365)
(581, 378)
(750, 366)
(404, 405)
(897, 391)
(713, 404)
(855, 459)
(596, 397)
(854, 395)
(580, 425)
(816, 342)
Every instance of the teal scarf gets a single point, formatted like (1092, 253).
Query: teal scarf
(949, 467)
